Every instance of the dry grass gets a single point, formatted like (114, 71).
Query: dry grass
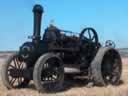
(77, 89)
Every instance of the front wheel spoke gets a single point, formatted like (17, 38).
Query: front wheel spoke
(15, 63)
(12, 81)
(18, 65)
(12, 66)
(19, 81)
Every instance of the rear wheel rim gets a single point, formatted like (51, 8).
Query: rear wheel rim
(111, 71)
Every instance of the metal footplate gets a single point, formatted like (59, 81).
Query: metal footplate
(71, 70)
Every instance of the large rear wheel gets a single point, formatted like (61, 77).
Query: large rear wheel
(48, 73)
(107, 67)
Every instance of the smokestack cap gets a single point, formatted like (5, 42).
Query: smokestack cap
(38, 8)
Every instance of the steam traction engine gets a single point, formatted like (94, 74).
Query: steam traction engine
(46, 60)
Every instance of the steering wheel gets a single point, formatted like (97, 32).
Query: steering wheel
(110, 43)
(90, 35)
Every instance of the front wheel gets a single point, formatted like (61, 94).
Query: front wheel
(48, 73)
(8, 77)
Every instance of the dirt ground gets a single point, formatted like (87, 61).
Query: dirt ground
(76, 88)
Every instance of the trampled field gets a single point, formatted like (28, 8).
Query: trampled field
(75, 88)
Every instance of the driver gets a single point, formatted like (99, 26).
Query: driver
(52, 33)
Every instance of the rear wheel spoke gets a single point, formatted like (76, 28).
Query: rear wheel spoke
(113, 70)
